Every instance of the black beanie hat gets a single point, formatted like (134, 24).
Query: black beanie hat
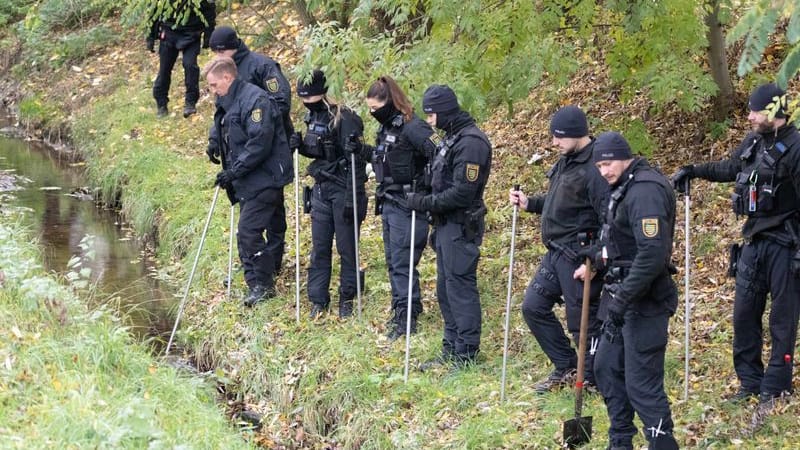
(569, 122)
(314, 86)
(439, 98)
(224, 38)
(765, 97)
(611, 146)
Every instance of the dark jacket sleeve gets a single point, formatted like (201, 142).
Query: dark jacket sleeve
(726, 169)
(644, 203)
(209, 11)
(259, 132)
(535, 204)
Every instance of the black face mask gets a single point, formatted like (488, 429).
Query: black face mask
(317, 106)
(384, 113)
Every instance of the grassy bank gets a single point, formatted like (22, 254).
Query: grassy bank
(74, 378)
(340, 384)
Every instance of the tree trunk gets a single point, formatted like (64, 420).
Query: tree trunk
(301, 8)
(718, 61)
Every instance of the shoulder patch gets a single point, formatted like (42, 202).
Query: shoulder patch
(650, 227)
(435, 139)
(256, 115)
(471, 172)
(271, 84)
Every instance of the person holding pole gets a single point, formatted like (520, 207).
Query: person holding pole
(572, 209)
(639, 296)
(460, 172)
(765, 168)
(400, 159)
(248, 138)
(265, 73)
(333, 206)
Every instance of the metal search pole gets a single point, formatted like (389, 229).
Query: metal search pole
(297, 235)
(230, 257)
(410, 291)
(194, 268)
(355, 231)
(508, 297)
(688, 307)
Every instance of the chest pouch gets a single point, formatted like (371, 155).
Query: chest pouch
(400, 161)
(313, 141)
(380, 166)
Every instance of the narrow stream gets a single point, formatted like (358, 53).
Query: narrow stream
(53, 194)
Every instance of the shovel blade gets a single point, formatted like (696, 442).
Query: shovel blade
(577, 431)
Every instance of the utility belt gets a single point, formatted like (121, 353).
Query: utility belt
(570, 250)
(617, 273)
(469, 220)
(394, 193)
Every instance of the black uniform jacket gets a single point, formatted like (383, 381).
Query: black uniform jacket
(575, 200)
(248, 131)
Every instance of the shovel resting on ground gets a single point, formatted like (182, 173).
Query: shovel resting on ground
(578, 431)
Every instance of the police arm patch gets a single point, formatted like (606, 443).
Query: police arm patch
(471, 172)
(435, 139)
(256, 115)
(271, 84)
(650, 227)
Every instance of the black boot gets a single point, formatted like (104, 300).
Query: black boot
(399, 328)
(317, 310)
(189, 109)
(345, 308)
(663, 442)
(257, 294)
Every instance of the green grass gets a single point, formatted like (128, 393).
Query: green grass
(340, 384)
(75, 378)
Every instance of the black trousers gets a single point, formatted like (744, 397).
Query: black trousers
(328, 221)
(257, 216)
(629, 367)
(457, 289)
(397, 250)
(276, 235)
(764, 267)
(168, 49)
(552, 283)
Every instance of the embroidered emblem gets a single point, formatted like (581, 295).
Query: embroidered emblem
(471, 173)
(256, 115)
(271, 85)
(650, 227)
(435, 139)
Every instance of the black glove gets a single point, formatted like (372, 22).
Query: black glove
(213, 154)
(151, 44)
(616, 305)
(224, 179)
(353, 145)
(295, 141)
(795, 266)
(347, 214)
(681, 177)
(416, 201)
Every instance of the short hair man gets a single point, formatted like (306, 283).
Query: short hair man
(248, 135)
(572, 211)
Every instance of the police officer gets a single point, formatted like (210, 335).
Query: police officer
(460, 171)
(766, 171)
(330, 127)
(181, 32)
(265, 73)
(248, 136)
(639, 296)
(572, 211)
(401, 158)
